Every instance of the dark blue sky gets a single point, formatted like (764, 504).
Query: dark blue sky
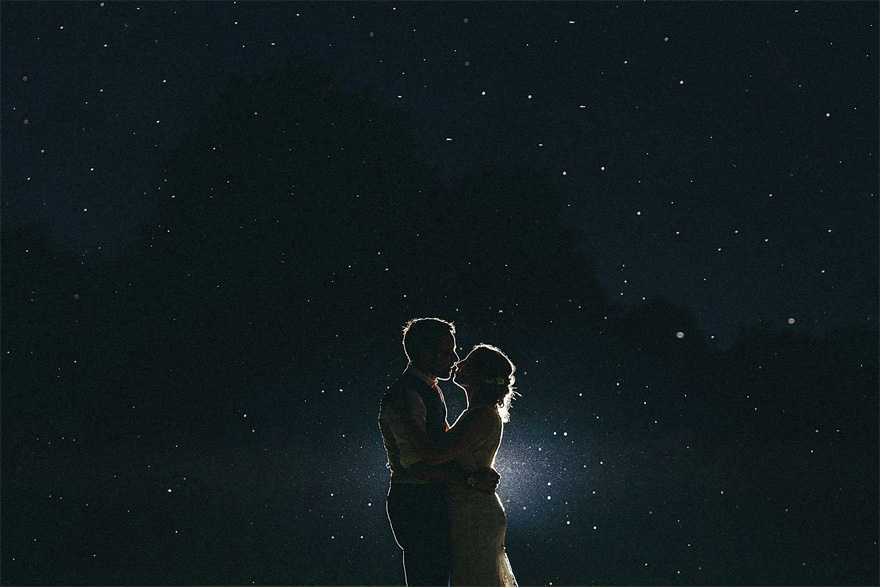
(721, 156)
(205, 411)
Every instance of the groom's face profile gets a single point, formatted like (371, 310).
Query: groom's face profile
(444, 357)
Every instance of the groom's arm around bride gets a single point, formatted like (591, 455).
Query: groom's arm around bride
(435, 466)
(406, 416)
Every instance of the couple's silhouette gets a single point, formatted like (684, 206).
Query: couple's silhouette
(442, 505)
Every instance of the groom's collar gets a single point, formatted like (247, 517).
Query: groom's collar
(428, 381)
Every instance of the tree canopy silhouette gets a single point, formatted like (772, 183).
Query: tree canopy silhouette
(298, 231)
(307, 205)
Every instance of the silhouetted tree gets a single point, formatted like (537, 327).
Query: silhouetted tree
(297, 208)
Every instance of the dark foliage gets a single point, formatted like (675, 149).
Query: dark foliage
(298, 232)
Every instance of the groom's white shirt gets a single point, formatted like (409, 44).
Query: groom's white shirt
(410, 409)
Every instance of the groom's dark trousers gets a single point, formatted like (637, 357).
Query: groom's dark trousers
(419, 516)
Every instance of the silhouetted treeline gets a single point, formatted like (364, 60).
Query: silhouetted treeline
(298, 232)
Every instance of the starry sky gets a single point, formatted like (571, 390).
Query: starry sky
(217, 217)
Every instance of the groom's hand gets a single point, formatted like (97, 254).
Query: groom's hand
(486, 480)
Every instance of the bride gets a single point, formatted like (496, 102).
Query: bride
(476, 519)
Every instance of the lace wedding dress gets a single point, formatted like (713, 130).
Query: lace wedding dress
(478, 524)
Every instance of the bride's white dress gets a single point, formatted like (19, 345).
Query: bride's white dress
(478, 524)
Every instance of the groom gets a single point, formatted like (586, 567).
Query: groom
(412, 420)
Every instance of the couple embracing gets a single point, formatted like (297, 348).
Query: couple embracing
(442, 505)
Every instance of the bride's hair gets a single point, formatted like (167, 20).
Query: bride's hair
(493, 370)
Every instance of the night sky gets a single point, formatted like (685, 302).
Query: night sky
(217, 217)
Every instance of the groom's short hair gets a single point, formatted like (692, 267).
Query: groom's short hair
(424, 334)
